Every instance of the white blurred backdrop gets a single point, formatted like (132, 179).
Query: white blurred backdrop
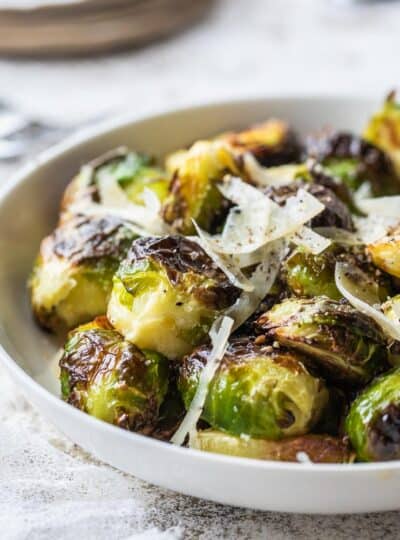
(242, 48)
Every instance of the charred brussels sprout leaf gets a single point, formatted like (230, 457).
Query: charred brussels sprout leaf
(345, 345)
(167, 293)
(110, 378)
(373, 422)
(355, 161)
(260, 394)
(383, 129)
(385, 253)
(72, 277)
(193, 192)
(317, 448)
(133, 172)
(272, 143)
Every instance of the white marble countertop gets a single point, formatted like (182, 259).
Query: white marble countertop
(48, 487)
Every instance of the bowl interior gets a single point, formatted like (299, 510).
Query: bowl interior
(29, 202)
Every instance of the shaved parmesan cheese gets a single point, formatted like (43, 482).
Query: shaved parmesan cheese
(362, 193)
(262, 279)
(381, 206)
(244, 260)
(145, 218)
(303, 457)
(229, 266)
(310, 240)
(271, 176)
(219, 335)
(301, 208)
(240, 192)
(110, 192)
(396, 309)
(246, 228)
(258, 220)
(374, 227)
(151, 201)
(349, 281)
(98, 210)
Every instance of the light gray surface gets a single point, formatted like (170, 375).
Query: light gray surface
(49, 488)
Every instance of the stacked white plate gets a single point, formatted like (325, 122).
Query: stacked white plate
(36, 27)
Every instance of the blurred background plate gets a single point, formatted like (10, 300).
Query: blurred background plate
(32, 27)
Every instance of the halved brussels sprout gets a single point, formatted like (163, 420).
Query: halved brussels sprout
(133, 172)
(383, 129)
(256, 392)
(272, 143)
(344, 344)
(355, 161)
(167, 293)
(335, 214)
(315, 448)
(312, 275)
(110, 378)
(385, 253)
(193, 192)
(373, 422)
(72, 278)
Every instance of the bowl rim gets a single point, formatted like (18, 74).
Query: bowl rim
(17, 373)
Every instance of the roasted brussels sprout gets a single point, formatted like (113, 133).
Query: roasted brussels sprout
(383, 129)
(315, 448)
(133, 172)
(193, 192)
(310, 275)
(385, 253)
(260, 394)
(345, 345)
(355, 161)
(322, 176)
(168, 287)
(272, 143)
(72, 277)
(335, 214)
(110, 378)
(373, 422)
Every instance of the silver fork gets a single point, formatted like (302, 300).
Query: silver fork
(20, 135)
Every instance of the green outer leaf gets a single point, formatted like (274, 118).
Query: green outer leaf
(383, 391)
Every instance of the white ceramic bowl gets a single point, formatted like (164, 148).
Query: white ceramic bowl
(28, 209)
